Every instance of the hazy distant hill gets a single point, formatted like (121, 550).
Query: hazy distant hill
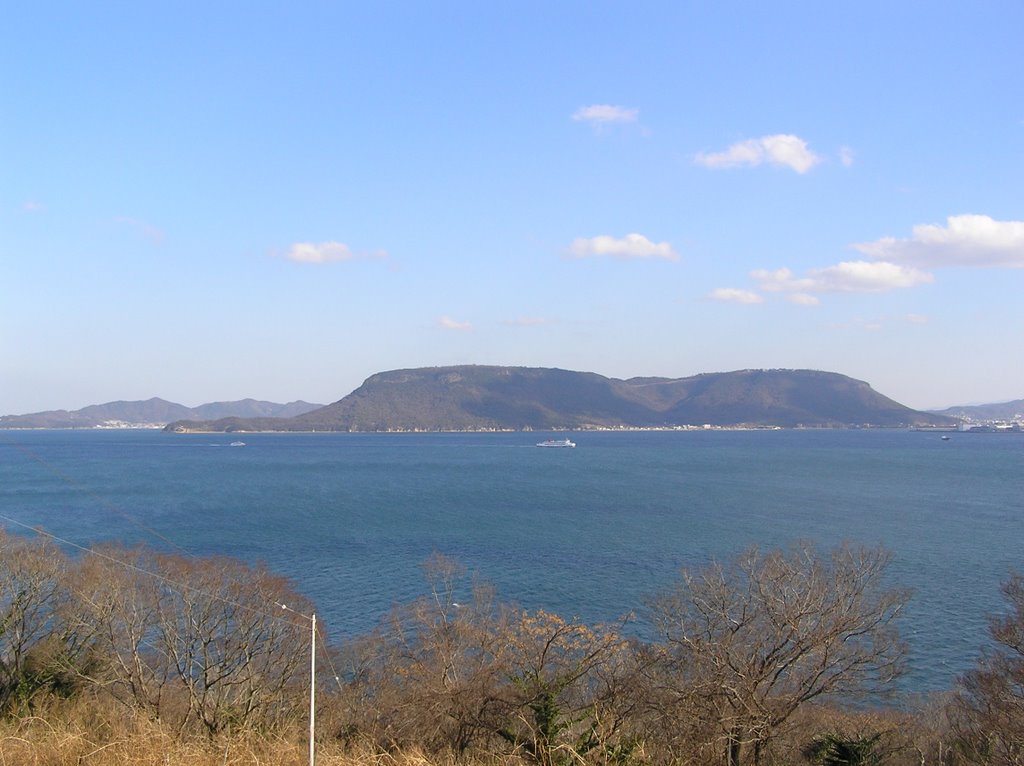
(252, 408)
(153, 412)
(479, 397)
(1005, 411)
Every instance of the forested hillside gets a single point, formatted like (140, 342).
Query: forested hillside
(517, 398)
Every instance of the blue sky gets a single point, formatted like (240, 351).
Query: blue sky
(213, 201)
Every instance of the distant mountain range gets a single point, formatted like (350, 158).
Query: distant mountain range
(517, 398)
(153, 412)
(1006, 411)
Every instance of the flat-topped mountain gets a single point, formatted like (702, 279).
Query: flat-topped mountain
(517, 398)
(153, 412)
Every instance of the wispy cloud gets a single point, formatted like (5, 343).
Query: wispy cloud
(148, 231)
(879, 323)
(447, 323)
(325, 252)
(605, 114)
(846, 156)
(630, 246)
(782, 149)
(846, 277)
(735, 295)
(31, 206)
(965, 240)
(803, 299)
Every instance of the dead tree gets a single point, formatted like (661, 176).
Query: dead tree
(750, 643)
(32, 632)
(988, 712)
(430, 675)
(196, 642)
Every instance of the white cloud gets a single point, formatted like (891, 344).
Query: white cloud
(863, 276)
(848, 276)
(325, 252)
(965, 240)
(630, 246)
(33, 207)
(451, 324)
(735, 295)
(846, 156)
(780, 280)
(602, 114)
(782, 149)
(916, 319)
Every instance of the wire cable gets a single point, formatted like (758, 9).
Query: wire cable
(180, 587)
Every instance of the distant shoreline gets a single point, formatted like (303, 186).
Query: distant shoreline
(596, 429)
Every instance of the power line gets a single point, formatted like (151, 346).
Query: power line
(97, 497)
(181, 587)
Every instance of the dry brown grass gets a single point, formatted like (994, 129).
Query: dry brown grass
(92, 734)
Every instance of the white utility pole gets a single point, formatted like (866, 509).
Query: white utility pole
(312, 694)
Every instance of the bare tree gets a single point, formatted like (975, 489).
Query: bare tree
(241, 658)
(193, 641)
(988, 713)
(558, 670)
(448, 676)
(114, 615)
(430, 674)
(747, 645)
(32, 594)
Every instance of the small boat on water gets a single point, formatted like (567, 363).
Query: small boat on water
(237, 444)
(556, 443)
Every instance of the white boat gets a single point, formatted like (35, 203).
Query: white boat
(237, 444)
(556, 443)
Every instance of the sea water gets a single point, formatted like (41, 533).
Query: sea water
(591, 532)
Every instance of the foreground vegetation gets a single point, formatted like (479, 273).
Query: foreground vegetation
(782, 657)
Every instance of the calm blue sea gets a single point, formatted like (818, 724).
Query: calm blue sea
(590, 532)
